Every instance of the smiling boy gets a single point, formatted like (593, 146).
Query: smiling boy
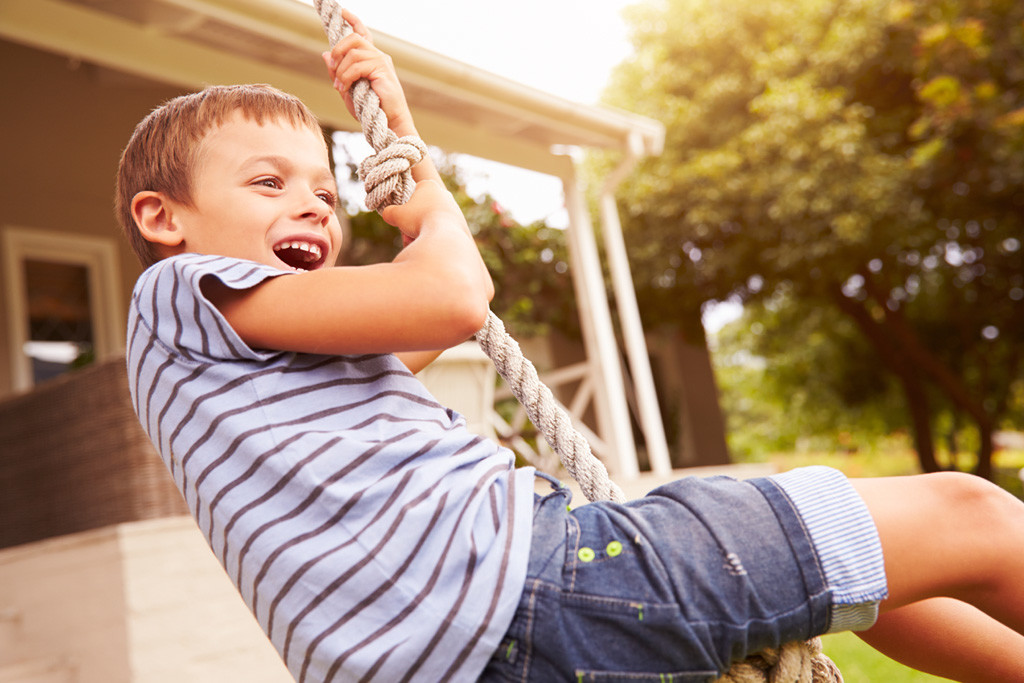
(375, 538)
(348, 507)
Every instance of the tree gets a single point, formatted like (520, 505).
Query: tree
(815, 386)
(864, 156)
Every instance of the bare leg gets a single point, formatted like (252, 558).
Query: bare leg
(955, 536)
(952, 639)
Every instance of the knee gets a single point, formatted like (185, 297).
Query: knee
(982, 530)
(975, 500)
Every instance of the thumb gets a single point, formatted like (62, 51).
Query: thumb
(397, 216)
(392, 214)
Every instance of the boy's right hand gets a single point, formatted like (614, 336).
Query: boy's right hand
(431, 204)
(355, 57)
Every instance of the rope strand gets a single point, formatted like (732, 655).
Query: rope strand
(387, 174)
(545, 412)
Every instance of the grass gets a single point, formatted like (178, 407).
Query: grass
(898, 461)
(859, 662)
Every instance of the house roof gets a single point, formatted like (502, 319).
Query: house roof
(192, 43)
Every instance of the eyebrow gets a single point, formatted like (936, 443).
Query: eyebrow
(280, 161)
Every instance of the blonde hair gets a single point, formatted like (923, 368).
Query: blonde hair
(162, 152)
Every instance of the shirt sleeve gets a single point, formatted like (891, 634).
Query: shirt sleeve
(169, 301)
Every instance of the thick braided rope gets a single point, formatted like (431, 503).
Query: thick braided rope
(795, 662)
(545, 412)
(386, 174)
(388, 179)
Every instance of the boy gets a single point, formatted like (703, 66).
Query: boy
(374, 538)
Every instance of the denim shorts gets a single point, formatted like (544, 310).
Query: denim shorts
(674, 586)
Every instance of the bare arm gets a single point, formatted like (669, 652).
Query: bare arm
(418, 360)
(434, 295)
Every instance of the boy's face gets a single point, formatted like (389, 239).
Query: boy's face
(263, 193)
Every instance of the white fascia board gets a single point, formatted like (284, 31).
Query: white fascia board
(73, 29)
(297, 24)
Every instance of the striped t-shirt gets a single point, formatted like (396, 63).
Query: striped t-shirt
(371, 534)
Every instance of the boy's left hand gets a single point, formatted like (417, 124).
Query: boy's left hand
(355, 57)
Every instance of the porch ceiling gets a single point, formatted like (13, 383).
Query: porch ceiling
(191, 43)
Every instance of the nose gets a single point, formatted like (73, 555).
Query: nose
(314, 208)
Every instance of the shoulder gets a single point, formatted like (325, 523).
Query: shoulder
(170, 300)
(189, 269)
(177, 280)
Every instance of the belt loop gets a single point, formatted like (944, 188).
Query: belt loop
(547, 547)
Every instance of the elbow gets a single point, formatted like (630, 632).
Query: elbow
(450, 302)
(466, 315)
(466, 308)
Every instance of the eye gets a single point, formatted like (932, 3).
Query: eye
(328, 197)
(269, 181)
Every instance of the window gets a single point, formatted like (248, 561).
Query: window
(62, 302)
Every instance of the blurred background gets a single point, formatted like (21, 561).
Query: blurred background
(823, 231)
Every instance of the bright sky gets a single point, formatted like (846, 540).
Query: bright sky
(566, 47)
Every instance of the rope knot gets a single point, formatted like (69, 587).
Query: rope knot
(795, 662)
(387, 175)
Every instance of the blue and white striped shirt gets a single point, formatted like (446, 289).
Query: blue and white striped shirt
(371, 534)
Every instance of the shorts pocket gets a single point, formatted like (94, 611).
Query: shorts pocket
(634, 642)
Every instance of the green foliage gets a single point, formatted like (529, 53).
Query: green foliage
(529, 264)
(857, 155)
(534, 293)
(812, 388)
(769, 170)
(891, 456)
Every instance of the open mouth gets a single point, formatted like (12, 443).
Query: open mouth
(300, 255)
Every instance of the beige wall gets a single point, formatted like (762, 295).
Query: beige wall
(64, 125)
(186, 620)
(144, 602)
(64, 608)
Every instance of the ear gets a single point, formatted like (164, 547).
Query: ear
(154, 215)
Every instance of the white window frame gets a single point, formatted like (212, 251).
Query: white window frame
(98, 255)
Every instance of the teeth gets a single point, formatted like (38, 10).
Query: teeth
(313, 250)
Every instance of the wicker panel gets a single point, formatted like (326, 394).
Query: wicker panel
(74, 457)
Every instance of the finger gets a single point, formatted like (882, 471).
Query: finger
(353, 49)
(356, 23)
(347, 44)
(392, 215)
(361, 65)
